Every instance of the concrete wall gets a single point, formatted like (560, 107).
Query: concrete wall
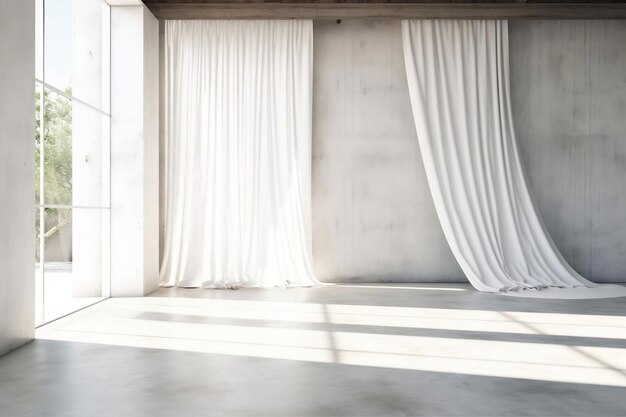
(17, 128)
(569, 101)
(134, 151)
(373, 217)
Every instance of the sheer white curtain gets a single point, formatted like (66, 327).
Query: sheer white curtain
(237, 153)
(458, 79)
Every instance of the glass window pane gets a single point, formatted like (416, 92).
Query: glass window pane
(39, 39)
(38, 109)
(38, 269)
(106, 58)
(72, 155)
(90, 157)
(58, 43)
(76, 259)
(57, 167)
(37, 233)
(106, 162)
(76, 54)
(76, 153)
(58, 261)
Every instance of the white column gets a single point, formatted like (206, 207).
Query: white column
(134, 151)
(17, 150)
(88, 153)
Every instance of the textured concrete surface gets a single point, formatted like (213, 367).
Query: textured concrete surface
(569, 102)
(373, 218)
(17, 150)
(379, 350)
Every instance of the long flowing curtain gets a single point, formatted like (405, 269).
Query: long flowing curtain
(237, 154)
(458, 80)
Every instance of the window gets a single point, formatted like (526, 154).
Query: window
(72, 155)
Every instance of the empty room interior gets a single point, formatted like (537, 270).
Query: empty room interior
(312, 208)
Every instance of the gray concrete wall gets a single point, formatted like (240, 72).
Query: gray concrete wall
(569, 102)
(373, 217)
(17, 150)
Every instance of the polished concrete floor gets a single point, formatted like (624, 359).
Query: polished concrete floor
(346, 350)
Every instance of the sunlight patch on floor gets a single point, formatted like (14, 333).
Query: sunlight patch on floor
(553, 324)
(119, 322)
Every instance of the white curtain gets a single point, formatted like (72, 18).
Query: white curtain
(237, 154)
(458, 80)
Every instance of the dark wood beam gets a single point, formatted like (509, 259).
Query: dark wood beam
(277, 10)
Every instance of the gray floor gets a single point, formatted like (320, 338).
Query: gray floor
(353, 350)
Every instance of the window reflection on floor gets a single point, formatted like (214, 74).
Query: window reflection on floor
(544, 346)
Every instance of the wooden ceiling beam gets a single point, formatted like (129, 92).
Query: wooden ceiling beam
(321, 11)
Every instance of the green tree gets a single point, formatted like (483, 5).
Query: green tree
(57, 161)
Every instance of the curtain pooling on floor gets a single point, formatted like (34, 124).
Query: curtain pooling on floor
(458, 77)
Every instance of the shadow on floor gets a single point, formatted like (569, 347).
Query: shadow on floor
(50, 378)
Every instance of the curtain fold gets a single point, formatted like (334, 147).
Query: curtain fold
(238, 103)
(458, 79)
